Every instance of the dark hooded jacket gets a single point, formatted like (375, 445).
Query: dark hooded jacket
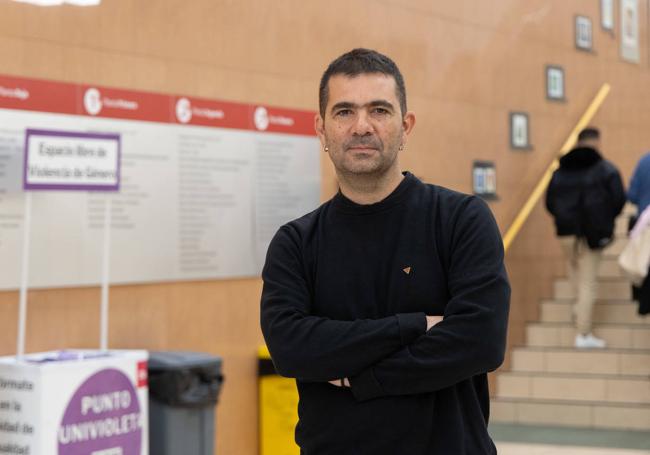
(585, 196)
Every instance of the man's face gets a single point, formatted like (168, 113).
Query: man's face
(363, 127)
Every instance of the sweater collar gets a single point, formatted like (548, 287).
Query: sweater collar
(342, 203)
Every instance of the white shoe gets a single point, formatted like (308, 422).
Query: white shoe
(589, 341)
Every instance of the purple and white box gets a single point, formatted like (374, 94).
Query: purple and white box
(74, 402)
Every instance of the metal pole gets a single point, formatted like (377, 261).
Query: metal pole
(106, 261)
(22, 308)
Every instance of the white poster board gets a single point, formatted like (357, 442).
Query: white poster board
(630, 30)
(607, 14)
(583, 31)
(555, 82)
(519, 131)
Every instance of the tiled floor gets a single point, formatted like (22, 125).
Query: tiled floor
(510, 448)
(539, 440)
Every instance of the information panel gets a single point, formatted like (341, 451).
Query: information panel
(204, 184)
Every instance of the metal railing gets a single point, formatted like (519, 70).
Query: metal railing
(539, 189)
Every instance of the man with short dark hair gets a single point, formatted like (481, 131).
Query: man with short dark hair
(389, 303)
(585, 196)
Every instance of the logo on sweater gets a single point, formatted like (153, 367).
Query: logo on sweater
(407, 270)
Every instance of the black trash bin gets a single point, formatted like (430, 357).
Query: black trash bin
(183, 392)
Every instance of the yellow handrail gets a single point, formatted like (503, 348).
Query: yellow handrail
(537, 193)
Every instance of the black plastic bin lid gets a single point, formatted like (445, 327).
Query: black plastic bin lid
(184, 379)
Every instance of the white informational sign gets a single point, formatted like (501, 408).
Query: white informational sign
(63, 160)
(519, 130)
(484, 179)
(583, 33)
(74, 402)
(607, 14)
(204, 185)
(630, 30)
(555, 82)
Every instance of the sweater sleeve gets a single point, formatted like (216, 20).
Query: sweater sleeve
(472, 337)
(313, 348)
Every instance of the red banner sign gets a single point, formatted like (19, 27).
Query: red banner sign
(96, 101)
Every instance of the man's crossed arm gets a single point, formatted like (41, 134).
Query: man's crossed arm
(345, 382)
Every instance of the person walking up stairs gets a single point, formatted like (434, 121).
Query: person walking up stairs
(553, 383)
(585, 196)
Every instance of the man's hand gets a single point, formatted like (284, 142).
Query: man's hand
(345, 382)
(433, 320)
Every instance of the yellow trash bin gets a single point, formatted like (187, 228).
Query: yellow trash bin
(278, 409)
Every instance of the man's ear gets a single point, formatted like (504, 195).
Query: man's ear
(319, 126)
(408, 122)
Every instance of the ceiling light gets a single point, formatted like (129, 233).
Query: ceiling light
(83, 2)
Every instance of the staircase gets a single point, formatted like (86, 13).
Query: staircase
(552, 383)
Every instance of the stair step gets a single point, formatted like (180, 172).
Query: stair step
(582, 361)
(563, 335)
(616, 289)
(571, 414)
(622, 312)
(602, 388)
(552, 383)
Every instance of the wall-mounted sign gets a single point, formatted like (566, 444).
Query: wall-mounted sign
(58, 160)
(630, 30)
(607, 14)
(519, 131)
(583, 33)
(484, 179)
(555, 83)
(204, 184)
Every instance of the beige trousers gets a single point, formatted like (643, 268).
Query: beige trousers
(583, 270)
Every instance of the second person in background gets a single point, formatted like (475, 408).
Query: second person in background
(585, 196)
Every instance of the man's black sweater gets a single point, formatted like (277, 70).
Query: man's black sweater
(346, 291)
